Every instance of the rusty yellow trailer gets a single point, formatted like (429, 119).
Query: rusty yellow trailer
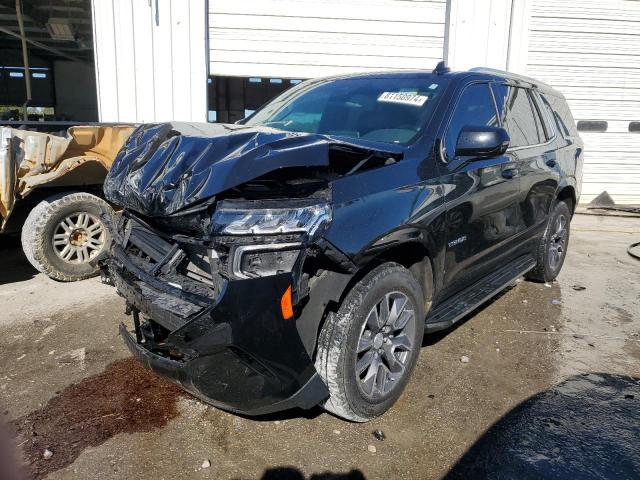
(50, 190)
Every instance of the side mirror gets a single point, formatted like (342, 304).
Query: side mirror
(482, 141)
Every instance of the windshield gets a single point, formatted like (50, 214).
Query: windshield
(387, 109)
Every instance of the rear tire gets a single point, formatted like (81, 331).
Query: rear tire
(64, 232)
(552, 249)
(365, 360)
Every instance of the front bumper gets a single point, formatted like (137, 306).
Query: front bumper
(236, 352)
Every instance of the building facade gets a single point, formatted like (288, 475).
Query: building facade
(219, 60)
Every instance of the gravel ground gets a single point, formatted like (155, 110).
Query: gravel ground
(67, 384)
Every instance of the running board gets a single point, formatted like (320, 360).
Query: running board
(456, 307)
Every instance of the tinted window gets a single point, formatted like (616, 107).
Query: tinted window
(558, 121)
(475, 107)
(518, 116)
(543, 135)
(386, 109)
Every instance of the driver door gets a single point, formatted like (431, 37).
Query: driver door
(483, 213)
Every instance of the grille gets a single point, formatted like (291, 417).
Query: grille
(183, 266)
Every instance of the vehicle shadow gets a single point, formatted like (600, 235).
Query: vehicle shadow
(292, 473)
(586, 427)
(14, 266)
(291, 414)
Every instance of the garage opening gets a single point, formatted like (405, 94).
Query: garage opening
(234, 98)
(61, 69)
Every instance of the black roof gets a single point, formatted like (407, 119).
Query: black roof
(478, 71)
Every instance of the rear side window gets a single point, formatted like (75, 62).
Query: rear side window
(519, 116)
(475, 107)
(561, 115)
(544, 132)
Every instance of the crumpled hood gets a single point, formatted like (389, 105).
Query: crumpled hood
(165, 168)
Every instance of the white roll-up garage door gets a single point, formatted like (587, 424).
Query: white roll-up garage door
(590, 51)
(310, 38)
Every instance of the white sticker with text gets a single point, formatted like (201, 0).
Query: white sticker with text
(406, 98)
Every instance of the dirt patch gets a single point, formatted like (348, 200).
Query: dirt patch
(125, 398)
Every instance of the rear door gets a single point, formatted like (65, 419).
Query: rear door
(482, 197)
(533, 151)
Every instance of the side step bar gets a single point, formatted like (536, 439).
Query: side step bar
(456, 307)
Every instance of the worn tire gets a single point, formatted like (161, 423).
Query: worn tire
(41, 224)
(340, 335)
(545, 270)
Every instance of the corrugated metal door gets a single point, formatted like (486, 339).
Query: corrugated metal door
(309, 38)
(590, 50)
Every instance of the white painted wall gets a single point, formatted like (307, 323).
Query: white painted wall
(311, 38)
(478, 33)
(150, 58)
(587, 49)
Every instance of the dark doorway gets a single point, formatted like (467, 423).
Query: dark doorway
(59, 37)
(234, 98)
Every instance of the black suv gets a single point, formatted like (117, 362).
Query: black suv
(297, 258)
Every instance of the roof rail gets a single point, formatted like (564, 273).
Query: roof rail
(515, 76)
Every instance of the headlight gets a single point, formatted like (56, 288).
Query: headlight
(231, 220)
(252, 261)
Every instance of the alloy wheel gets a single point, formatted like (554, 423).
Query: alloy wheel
(385, 344)
(558, 243)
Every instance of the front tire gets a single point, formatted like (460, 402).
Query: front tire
(64, 232)
(368, 348)
(553, 245)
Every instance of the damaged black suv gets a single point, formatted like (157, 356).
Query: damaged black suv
(297, 258)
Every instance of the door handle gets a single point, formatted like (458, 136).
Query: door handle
(509, 173)
(550, 162)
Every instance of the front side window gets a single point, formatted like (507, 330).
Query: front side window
(474, 108)
(391, 110)
(519, 117)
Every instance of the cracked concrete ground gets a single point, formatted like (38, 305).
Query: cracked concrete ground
(67, 383)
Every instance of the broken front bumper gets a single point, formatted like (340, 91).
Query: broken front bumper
(235, 351)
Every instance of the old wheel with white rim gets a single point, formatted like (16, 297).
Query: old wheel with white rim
(79, 237)
(64, 232)
(368, 348)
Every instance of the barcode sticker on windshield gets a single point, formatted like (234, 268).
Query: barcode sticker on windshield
(406, 98)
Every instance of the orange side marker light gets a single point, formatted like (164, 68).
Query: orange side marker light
(286, 305)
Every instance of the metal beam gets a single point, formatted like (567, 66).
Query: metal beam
(42, 46)
(25, 58)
